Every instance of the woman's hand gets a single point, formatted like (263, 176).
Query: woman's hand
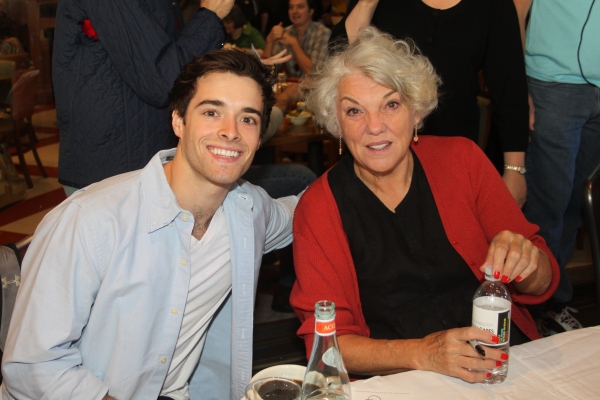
(512, 256)
(449, 353)
(446, 352)
(278, 58)
(531, 113)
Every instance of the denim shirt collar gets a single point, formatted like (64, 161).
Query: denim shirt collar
(160, 201)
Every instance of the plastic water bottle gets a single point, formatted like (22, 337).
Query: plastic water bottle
(326, 377)
(491, 312)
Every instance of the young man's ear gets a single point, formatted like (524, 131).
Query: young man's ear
(178, 122)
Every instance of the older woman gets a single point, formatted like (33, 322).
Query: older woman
(398, 233)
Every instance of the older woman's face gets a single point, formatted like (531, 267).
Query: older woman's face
(376, 126)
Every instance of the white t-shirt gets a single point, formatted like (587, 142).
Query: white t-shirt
(210, 284)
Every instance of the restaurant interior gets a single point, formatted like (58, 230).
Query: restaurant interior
(23, 206)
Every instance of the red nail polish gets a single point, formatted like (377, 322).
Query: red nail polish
(504, 356)
(518, 279)
(504, 278)
(489, 375)
(496, 274)
(498, 363)
(495, 339)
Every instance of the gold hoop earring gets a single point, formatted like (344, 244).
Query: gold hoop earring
(340, 145)
(416, 137)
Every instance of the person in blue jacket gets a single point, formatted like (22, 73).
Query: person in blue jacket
(113, 66)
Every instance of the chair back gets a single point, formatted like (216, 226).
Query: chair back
(591, 200)
(10, 279)
(7, 69)
(24, 93)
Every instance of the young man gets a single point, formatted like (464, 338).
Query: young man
(143, 285)
(306, 39)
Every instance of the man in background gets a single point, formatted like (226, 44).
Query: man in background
(113, 66)
(305, 39)
(562, 60)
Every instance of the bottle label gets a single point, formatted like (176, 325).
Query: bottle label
(492, 314)
(325, 327)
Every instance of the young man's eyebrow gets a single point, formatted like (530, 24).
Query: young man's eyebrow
(252, 110)
(216, 103)
(219, 103)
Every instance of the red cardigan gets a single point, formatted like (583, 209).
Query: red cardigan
(474, 205)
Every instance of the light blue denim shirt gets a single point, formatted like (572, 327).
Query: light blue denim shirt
(104, 287)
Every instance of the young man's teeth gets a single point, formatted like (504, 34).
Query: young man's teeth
(379, 146)
(224, 153)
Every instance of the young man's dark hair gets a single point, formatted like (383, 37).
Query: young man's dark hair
(234, 61)
(236, 16)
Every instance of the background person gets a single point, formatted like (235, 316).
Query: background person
(143, 284)
(563, 70)
(399, 232)
(240, 33)
(461, 38)
(113, 65)
(305, 39)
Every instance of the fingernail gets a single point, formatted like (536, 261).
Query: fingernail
(504, 278)
(504, 356)
(496, 274)
(495, 339)
(489, 375)
(498, 363)
(518, 279)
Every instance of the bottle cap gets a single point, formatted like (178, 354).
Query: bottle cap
(489, 275)
(325, 310)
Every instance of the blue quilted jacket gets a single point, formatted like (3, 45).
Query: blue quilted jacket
(111, 92)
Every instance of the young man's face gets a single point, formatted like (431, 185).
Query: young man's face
(221, 131)
(299, 12)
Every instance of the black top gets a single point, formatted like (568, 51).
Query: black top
(407, 270)
(474, 35)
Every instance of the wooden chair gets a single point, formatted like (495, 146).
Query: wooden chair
(591, 207)
(17, 129)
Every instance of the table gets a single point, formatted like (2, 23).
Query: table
(308, 133)
(564, 366)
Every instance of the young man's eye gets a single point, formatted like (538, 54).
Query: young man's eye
(210, 113)
(249, 120)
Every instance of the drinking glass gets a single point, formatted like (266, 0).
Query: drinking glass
(273, 389)
(281, 78)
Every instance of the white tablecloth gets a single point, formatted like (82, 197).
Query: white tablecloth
(564, 366)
